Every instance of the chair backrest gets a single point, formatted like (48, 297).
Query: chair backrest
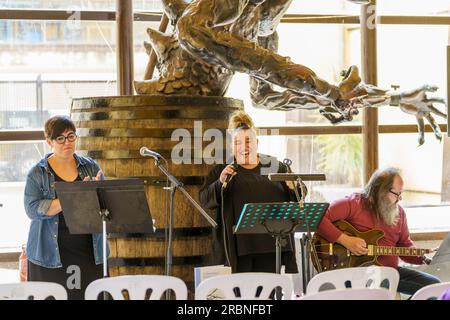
(350, 294)
(431, 292)
(360, 277)
(244, 286)
(32, 291)
(137, 287)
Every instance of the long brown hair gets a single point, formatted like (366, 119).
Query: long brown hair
(379, 185)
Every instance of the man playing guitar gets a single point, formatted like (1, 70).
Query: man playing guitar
(377, 208)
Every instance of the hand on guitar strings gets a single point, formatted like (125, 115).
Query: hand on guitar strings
(357, 246)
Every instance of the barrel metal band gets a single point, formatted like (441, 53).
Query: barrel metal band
(137, 132)
(156, 101)
(149, 262)
(160, 233)
(128, 114)
(135, 154)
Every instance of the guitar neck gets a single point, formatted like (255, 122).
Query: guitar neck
(397, 251)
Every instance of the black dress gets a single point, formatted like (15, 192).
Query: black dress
(77, 257)
(247, 253)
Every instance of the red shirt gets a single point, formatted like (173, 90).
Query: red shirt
(353, 210)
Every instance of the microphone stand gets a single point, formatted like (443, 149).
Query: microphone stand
(177, 185)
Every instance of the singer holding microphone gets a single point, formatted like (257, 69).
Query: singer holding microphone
(55, 255)
(228, 187)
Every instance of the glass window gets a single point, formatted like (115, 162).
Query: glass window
(5, 31)
(413, 7)
(339, 157)
(407, 64)
(323, 7)
(39, 76)
(14, 221)
(322, 48)
(426, 196)
(412, 64)
(150, 5)
(423, 167)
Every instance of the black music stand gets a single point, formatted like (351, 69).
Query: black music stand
(113, 206)
(280, 219)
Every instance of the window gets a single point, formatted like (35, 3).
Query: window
(40, 74)
(45, 64)
(150, 5)
(413, 7)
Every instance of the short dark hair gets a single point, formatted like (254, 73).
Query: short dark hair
(56, 125)
(380, 184)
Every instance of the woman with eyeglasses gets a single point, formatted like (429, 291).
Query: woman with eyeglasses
(55, 255)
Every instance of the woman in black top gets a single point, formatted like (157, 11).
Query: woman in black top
(71, 260)
(249, 184)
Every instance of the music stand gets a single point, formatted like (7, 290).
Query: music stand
(114, 206)
(280, 219)
(305, 242)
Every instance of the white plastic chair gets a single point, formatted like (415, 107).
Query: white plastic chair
(225, 287)
(137, 287)
(431, 292)
(360, 277)
(350, 294)
(32, 291)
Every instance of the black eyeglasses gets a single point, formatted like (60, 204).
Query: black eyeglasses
(62, 139)
(399, 195)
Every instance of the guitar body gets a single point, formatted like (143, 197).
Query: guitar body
(332, 256)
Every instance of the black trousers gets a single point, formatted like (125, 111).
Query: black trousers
(413, 280)
(259, 262)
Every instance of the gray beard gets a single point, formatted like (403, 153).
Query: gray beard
(389, 213)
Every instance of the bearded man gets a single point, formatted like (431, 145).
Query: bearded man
(377, 208)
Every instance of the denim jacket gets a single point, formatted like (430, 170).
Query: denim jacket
(42, 246)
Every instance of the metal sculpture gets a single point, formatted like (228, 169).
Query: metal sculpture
(213, 39)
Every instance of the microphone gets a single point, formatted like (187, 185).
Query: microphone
(229, 176)
(146, 152)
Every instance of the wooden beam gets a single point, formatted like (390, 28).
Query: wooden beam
(343, 129)
(9, 257)
(38, 135)
(369, 74)
(82, 15)
(352, 19)
(448, 82)
(96, 15)
(406, 128)
(428, 236)
(124, 52)
(307, 130)
(15, 135)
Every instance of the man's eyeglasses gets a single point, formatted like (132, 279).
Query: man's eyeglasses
(399, 194)
(62, 139)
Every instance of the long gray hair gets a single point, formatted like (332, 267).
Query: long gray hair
(379, 185)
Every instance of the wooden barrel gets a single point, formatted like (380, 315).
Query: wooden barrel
(113, 129)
